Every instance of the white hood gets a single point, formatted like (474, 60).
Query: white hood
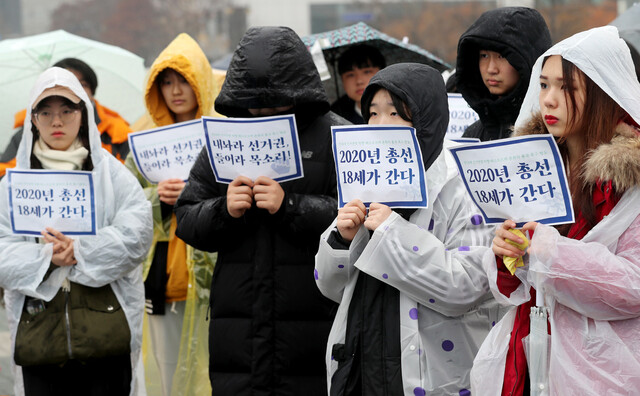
(52, 77)
(603, 56)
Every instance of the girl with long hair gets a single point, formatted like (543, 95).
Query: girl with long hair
(587, 96)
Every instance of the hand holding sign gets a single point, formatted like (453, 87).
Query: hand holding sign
(62, 247)
(169, 190)
(268, 194)
(349, 219)
(239, 196)
(378, 213)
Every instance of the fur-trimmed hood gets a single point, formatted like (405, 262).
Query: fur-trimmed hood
(617, 161)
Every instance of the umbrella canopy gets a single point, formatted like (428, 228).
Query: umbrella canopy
(120, 73)
(628, 20)
(628, 24)
(335, 42)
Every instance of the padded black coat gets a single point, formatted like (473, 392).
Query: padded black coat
(269, 323)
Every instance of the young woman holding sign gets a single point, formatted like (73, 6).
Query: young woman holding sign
(180, 88)
(75, 303)
(414, 300)
(586, 95)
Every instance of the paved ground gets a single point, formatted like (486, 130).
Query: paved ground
(6, 380)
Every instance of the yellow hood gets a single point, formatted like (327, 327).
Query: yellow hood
(185, 56)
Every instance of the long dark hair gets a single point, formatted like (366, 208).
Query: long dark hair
(83, 133)
(595, 126)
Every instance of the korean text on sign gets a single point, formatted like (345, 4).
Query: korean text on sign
(167, 152)
(63, 200)
(253, 147)
(460, 116)
(379, 164)
(521, 179)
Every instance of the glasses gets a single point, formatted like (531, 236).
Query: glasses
(46, 117)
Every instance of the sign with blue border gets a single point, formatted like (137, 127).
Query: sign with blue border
(461, 115)
(63, 200)
(381, 163)
(167, 152)
(520, 178)
(253, 147)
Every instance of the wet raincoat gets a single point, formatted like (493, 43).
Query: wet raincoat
(113, 256)
(269, 323)
(519, 34)
(433, 259)
(185, 56)
(591, 286)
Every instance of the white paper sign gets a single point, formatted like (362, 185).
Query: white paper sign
(63, 200)
(379, 164)
(521, 179)
(460, 116)
(167, 152)
(253, 147)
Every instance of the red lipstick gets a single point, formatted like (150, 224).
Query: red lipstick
(550, 120)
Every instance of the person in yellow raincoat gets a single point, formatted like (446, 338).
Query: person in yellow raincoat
(180, 87)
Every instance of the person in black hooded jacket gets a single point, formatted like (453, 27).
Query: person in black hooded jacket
(269, 323)
(517, 34)
(414, 299)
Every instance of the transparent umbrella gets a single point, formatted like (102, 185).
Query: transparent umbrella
(120, 73)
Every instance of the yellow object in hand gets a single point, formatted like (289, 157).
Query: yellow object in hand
(510, 262)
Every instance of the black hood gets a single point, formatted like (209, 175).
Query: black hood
(422, 88)
(271, 67)
(519, 34)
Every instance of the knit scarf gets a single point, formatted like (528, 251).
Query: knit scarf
(69, 159)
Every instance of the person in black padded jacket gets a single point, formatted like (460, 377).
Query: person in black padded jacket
(269, 322)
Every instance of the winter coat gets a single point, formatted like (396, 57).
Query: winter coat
(269, 323)
(112, 256)
(445, 308)
(189, 275)
(591, 286)
(520, 35)
(345, 107)
(113, 135)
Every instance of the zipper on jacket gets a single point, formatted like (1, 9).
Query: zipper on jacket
(67, 322)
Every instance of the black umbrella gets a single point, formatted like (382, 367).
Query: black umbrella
(335, 42)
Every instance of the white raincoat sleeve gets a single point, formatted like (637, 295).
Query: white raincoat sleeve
(441, 268)
(24, 262)
(588, 277)
(122, 245)
(335, 267)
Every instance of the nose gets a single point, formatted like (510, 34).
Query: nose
(549, 99)
(176, 88)
(492, 65)
(57, 119)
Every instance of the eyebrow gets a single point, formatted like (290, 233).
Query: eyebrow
(542, 77)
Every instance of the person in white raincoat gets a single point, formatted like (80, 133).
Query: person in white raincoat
(38, 269)
(414, 301)
(585, 93)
